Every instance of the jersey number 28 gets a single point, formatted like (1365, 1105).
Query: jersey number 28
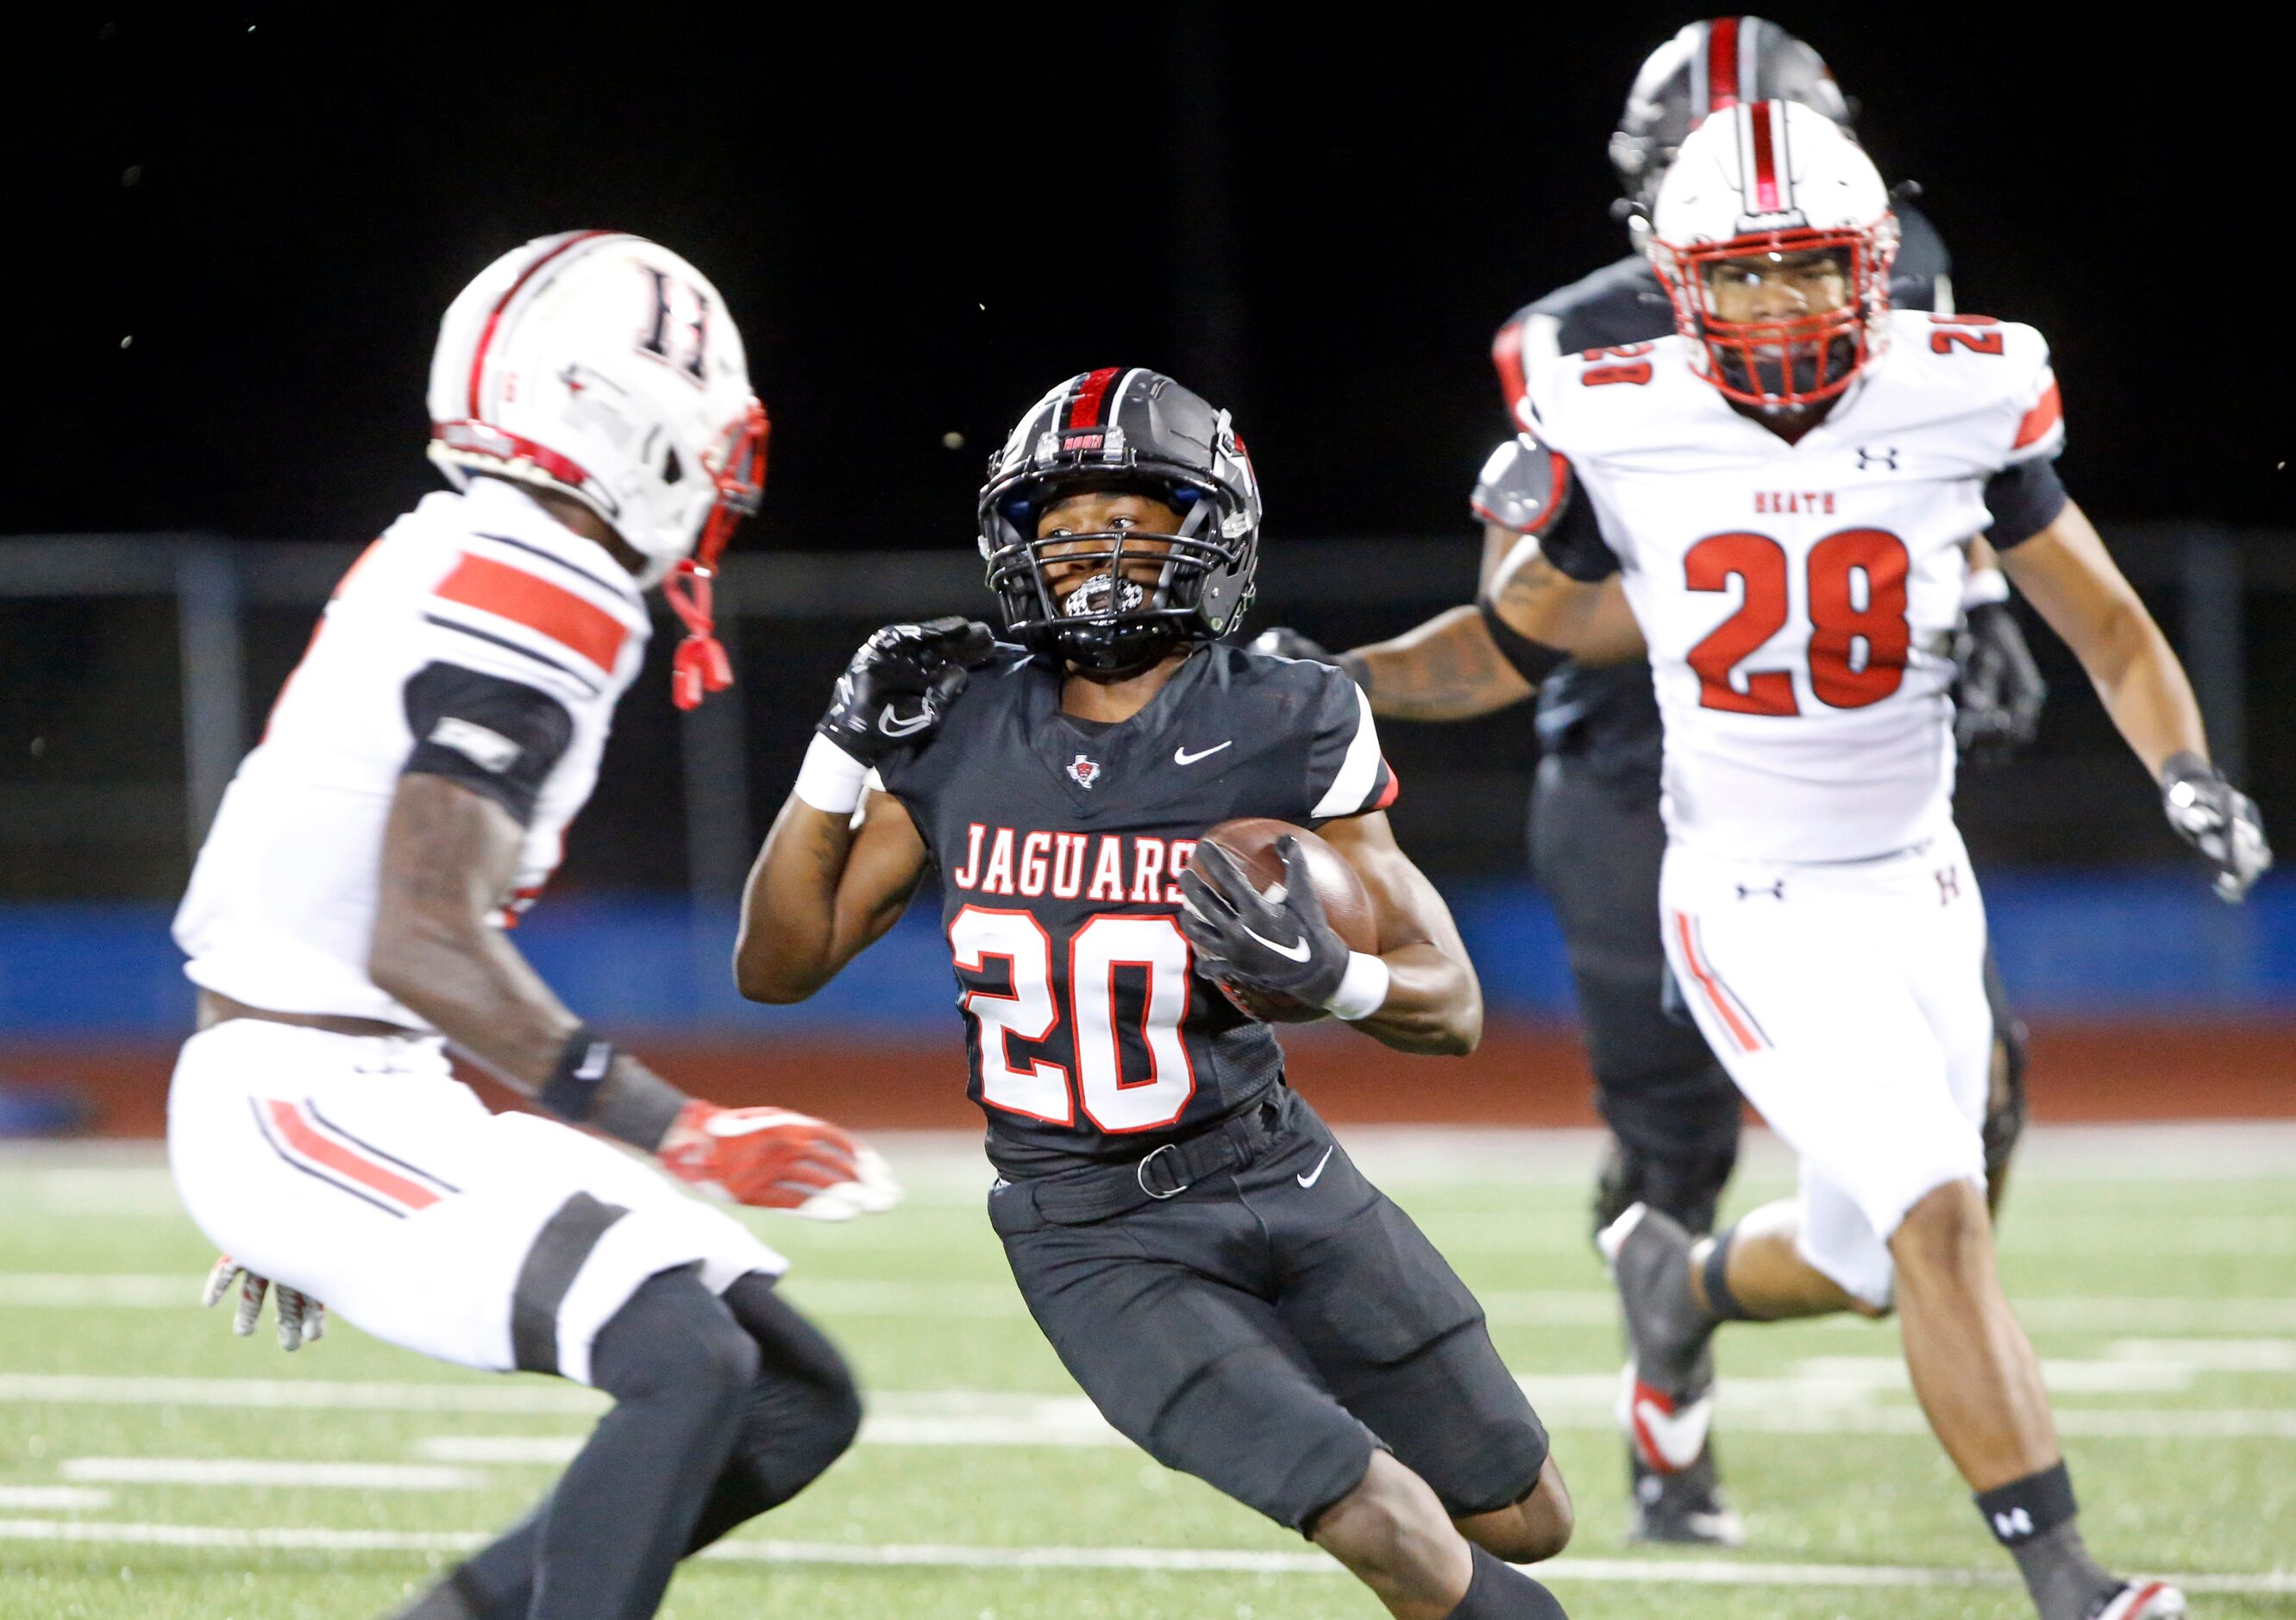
(1041, 1090)
(1858, 637)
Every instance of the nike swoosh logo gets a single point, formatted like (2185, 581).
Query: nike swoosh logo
(1316, 1174)
(1667, 1440)
(1295, 952)
(1181, 756)
(593, 1065)
(890, 726)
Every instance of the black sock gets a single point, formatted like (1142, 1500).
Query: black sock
(1497, 1590)
(1721, 1303)
(2033, 1518)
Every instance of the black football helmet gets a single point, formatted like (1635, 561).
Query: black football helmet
(1122, 429)
(1708, 68)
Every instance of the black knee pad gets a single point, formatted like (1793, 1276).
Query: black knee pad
(1684, 1186)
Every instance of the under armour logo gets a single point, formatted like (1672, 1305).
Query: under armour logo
(1886, 457)
(1949, 881)
(2013, 1525)
(1777, 890)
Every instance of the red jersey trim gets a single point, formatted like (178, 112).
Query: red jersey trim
(2044, 415)
(546, 609)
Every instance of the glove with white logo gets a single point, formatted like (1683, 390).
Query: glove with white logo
(771, 1158)
(1278, 941)
(901, 682)
(1998, 695)
(302, 1320)
(2218, 820)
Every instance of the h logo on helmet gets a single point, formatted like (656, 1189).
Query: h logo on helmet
(655, 340)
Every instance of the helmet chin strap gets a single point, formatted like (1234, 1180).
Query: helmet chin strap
(700, 665)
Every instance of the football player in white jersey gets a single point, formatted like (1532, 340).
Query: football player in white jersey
(1787, 489)
(591, 404)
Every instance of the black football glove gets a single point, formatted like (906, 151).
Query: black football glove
(1998, 695)
(1285, 643)
(1244, 939)
(901, 682)
(2218, 820)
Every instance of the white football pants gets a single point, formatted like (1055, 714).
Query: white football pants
(1847, 1002)
(361, 1171)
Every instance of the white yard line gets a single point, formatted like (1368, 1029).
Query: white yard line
(262, 1472)
(317, 1395)
(1707, 1571)
(815, 1289)
(1839, 1397)
(54, 1499)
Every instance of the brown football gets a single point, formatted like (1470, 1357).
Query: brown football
(1252, 841)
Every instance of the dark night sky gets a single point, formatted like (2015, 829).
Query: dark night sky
(1315, 216)
(307, 197)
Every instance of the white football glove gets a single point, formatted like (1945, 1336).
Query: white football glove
(302, 1320)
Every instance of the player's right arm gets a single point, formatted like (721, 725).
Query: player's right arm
(822, 892)
(829, 883)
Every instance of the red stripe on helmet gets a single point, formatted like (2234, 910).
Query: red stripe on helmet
(1086, 411)
(1766, 160)
(494, 315)
(1721, 64)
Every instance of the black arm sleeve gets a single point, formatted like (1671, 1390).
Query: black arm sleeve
(1534, 661)
(497, 737)
(2023, 499)
(1574, 543)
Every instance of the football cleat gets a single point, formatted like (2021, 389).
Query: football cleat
(2142, 1600)
(1666, 1402)
(1683, 1509)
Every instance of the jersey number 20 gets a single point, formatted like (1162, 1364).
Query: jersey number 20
(1857, 647)
(1042, 1090)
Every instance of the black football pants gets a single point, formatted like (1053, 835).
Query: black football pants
(1597, 843)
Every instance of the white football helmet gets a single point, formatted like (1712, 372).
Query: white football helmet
(606, 367)
(1770, 180)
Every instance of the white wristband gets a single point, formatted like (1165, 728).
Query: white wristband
(830, 780)
(1982, 586)
(1363, 988)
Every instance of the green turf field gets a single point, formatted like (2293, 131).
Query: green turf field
(2156, 1269)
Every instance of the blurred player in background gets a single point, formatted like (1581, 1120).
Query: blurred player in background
(1786, 489)
(1222, 1281)
(591, 405)
(1597, 838)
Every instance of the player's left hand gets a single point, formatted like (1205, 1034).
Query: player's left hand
(1244, 938)
(302, 1320)
(772, 1159)
(1998, 695)
(1282, 642)
(2218, 820)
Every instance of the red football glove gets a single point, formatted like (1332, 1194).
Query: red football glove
(771, 1158)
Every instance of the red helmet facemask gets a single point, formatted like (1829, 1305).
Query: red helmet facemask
(1790, 361)
(738, 469)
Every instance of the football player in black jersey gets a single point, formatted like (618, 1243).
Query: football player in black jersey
(1222, 1281)
(1595, 836)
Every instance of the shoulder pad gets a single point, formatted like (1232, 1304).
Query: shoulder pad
(1518, 486)
(2001, 370)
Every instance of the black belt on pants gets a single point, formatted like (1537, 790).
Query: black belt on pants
(1080, 1197)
